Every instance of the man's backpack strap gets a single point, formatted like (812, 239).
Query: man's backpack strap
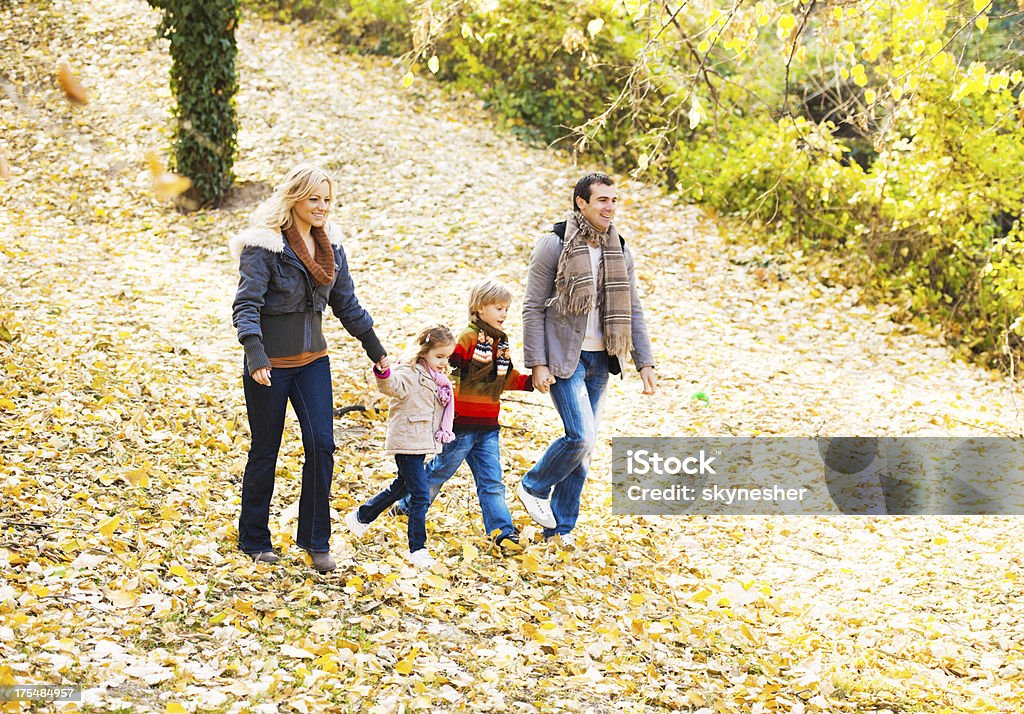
(559, 230)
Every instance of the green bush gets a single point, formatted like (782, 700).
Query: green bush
(538, 66)
(373, 26)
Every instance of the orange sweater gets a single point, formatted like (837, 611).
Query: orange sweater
(482, 370)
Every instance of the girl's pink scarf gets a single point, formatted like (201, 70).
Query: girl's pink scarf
(447, 397)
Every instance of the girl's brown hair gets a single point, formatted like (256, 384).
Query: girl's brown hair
(428, 339)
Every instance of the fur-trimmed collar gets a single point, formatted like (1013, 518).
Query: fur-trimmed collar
(269, 239)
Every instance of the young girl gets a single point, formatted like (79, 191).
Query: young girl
(420, 418)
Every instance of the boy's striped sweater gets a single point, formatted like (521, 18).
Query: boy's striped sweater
(482, 370)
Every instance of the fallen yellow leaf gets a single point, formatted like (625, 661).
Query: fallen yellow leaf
(108, 526)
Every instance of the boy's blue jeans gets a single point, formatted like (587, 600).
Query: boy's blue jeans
(562, 470)
(482, 451)
(308, 388)
(412, 480)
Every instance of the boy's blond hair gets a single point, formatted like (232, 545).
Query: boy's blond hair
(488, 292)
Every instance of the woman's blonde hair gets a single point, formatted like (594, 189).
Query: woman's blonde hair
(428, 339)
(300, 183)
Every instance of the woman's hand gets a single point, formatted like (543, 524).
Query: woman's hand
(262, 376)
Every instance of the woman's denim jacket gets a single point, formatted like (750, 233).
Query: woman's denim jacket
(273, 282)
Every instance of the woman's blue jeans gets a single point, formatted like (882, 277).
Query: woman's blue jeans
(562, 470)
(308, 388)
(412, 480)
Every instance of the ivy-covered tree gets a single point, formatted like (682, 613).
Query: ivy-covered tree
(204, 82)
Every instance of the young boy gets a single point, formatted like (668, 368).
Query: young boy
(481, 370)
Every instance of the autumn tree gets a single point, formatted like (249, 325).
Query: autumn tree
(204, 81)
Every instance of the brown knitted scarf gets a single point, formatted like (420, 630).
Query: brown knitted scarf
(577, 292)
(321, 269)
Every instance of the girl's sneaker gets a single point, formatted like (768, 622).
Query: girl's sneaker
(356, 526)
(421, 558)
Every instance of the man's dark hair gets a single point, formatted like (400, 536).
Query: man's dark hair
(582, 189)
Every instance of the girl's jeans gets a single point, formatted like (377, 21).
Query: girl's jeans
(412, 480)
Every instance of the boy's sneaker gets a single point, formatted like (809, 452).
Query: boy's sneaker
(538, 508)
(421, 558)
(396, 510)
(508, 543)
(356, 526)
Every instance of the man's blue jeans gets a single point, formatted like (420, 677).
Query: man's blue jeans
(562, 470)
(412, 480)
(482, 451)
(309, 390)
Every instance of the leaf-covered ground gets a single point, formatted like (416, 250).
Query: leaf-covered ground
(123, 431)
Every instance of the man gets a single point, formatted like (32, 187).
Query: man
(581, 317)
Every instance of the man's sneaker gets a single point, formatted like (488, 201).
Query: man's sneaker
(421, 558)
(267, 556)
(356, 526)
(538, 508)
(396, 510)
(322, 562)
(568, 540)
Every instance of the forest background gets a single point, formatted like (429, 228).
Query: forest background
(810, 294)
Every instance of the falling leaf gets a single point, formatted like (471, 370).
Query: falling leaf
(73, 88)
(166, 184)
(595, 26)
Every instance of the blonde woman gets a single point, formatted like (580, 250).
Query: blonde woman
(292, 266)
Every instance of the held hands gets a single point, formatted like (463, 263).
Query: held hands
(383, 365)
(649, 380)
(542, 378)
(262, 376)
